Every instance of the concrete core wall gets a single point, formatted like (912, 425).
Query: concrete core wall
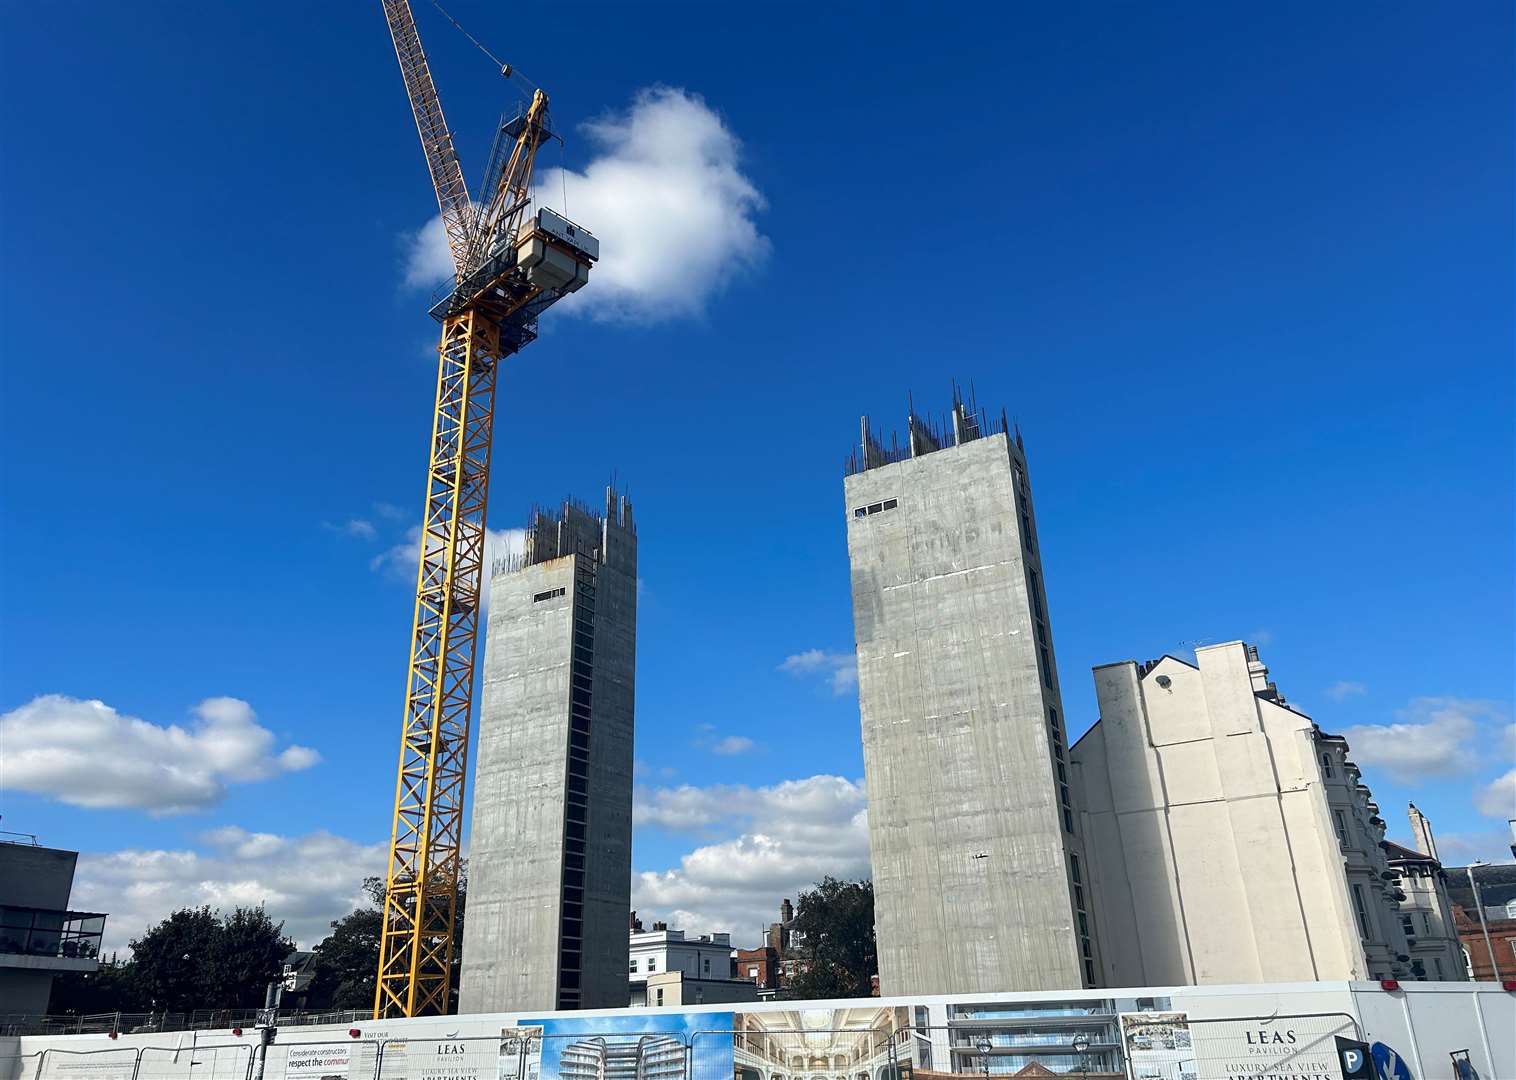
(546, 923)
(960, 719)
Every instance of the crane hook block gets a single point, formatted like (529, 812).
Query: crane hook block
(505, 69)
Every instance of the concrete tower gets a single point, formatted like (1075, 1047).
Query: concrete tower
(977, 864)
(550, 862)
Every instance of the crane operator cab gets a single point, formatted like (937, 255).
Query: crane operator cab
(554, 253)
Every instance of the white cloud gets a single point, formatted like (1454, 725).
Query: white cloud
(87, 754)
(667, 200)
(1497, 799)
(303, 881)
(768, 843)
(1434, 737)
(355, 527)
(733, 744)
(1340, 691)
(839, 669)
(1460, 849)
(399, 561)
(428, 259)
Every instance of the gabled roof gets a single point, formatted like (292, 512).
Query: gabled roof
(1399, 853)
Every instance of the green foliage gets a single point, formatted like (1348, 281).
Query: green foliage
(347, 960)
(833, 942)
(249, 954)
(175, 960)
(111, 989)
(196, 958)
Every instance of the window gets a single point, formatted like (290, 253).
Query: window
(1342, 826)
(707, 967)
(1407, 926)
(1326, 766)
(1068, 820)
(652, 963)
(660, 996)
(752, 973)
(1360, 905)
(875, 508)
(1437, 966)
(1510, 909)
(634, 964)
(547, 595)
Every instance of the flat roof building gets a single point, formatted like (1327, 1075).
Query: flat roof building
(972, 835)
(39, 936)
(550, 852)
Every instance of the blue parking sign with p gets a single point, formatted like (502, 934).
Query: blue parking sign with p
(1355, 1060)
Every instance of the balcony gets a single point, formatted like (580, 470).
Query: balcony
(43, 939)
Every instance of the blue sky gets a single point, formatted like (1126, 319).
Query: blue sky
(1243, 277)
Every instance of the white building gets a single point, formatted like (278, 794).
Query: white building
(1230, 840)
(648, 1057)
(665, 967)
(1426, 913)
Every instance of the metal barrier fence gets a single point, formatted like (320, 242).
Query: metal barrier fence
(229, 1062)
(129, 1023)
(20, 1066)
(232, 1061)
(1072, 1041)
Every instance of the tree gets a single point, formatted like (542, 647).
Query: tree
(199, 959)
(250, 954)
(347, 959)
(171, 959)
(833, 942)
(111, 989)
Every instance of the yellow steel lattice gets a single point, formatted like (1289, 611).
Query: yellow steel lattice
(416, 946)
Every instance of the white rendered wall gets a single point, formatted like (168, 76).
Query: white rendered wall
(1208, 830)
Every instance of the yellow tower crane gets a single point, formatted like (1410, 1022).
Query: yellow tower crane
(509, 266)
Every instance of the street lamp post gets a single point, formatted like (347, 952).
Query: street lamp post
(1081, 1044)
(1483, 926)
(984, 1046)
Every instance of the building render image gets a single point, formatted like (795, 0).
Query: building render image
(976, 856)
(550, 852)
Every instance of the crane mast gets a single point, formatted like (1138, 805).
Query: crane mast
(509, 266)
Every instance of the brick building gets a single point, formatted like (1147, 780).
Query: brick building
(1497, 896)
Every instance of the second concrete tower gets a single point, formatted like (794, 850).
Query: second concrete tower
(978, 867)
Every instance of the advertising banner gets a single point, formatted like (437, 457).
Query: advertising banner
(869, 1043)
(328, 1062)
(1283, 1048)
(637, 1046)
(1159, 1046)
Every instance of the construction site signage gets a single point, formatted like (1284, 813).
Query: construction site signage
(328, 1062)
